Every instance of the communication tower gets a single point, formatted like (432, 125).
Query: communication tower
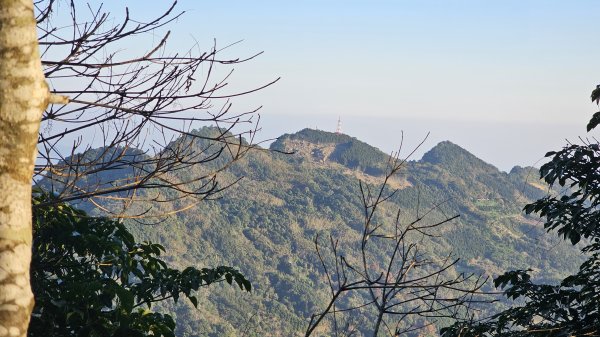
(339, 126)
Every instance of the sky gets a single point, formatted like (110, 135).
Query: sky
(506, 80)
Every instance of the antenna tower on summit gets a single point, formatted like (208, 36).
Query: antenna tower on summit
(339, 126)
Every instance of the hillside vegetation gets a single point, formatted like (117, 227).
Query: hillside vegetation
(265, 225)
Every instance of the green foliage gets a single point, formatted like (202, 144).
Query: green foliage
(275, 212)
(358, 155)
(594, 121)
(348, 151)
(313, 136)
(91, 278)
(265, 226)
(570, 308)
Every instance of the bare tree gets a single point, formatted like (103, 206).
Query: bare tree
(406, 282)
(129, 125)
(105, 93)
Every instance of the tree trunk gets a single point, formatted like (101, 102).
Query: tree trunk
(23, 97)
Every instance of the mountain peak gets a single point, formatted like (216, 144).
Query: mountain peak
(312, 136)
(322, 146)
(453, 157)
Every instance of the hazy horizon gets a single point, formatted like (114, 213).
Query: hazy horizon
(506, 80)
(488, 141)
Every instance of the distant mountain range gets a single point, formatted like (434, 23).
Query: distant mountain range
(266, 224)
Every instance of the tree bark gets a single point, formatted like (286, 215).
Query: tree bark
(23, 97)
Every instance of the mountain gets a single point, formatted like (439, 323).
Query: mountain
(453, 158)
(323, 146)
(307, 184)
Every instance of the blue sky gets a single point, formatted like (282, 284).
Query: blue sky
(507, 80)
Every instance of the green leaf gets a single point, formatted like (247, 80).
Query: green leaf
(126, 298)
(595, 96)
(594, 121)
(248, 285)
(575, 237)
(194, 301)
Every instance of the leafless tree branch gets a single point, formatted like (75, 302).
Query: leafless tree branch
(132, 116)
(406, 283)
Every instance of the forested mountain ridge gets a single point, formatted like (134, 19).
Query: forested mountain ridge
(266, 223)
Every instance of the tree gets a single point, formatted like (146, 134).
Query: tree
(571, 307)
(23, 97)
(392, 283)
(122, 99)
(135, 104)
(90, 277)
